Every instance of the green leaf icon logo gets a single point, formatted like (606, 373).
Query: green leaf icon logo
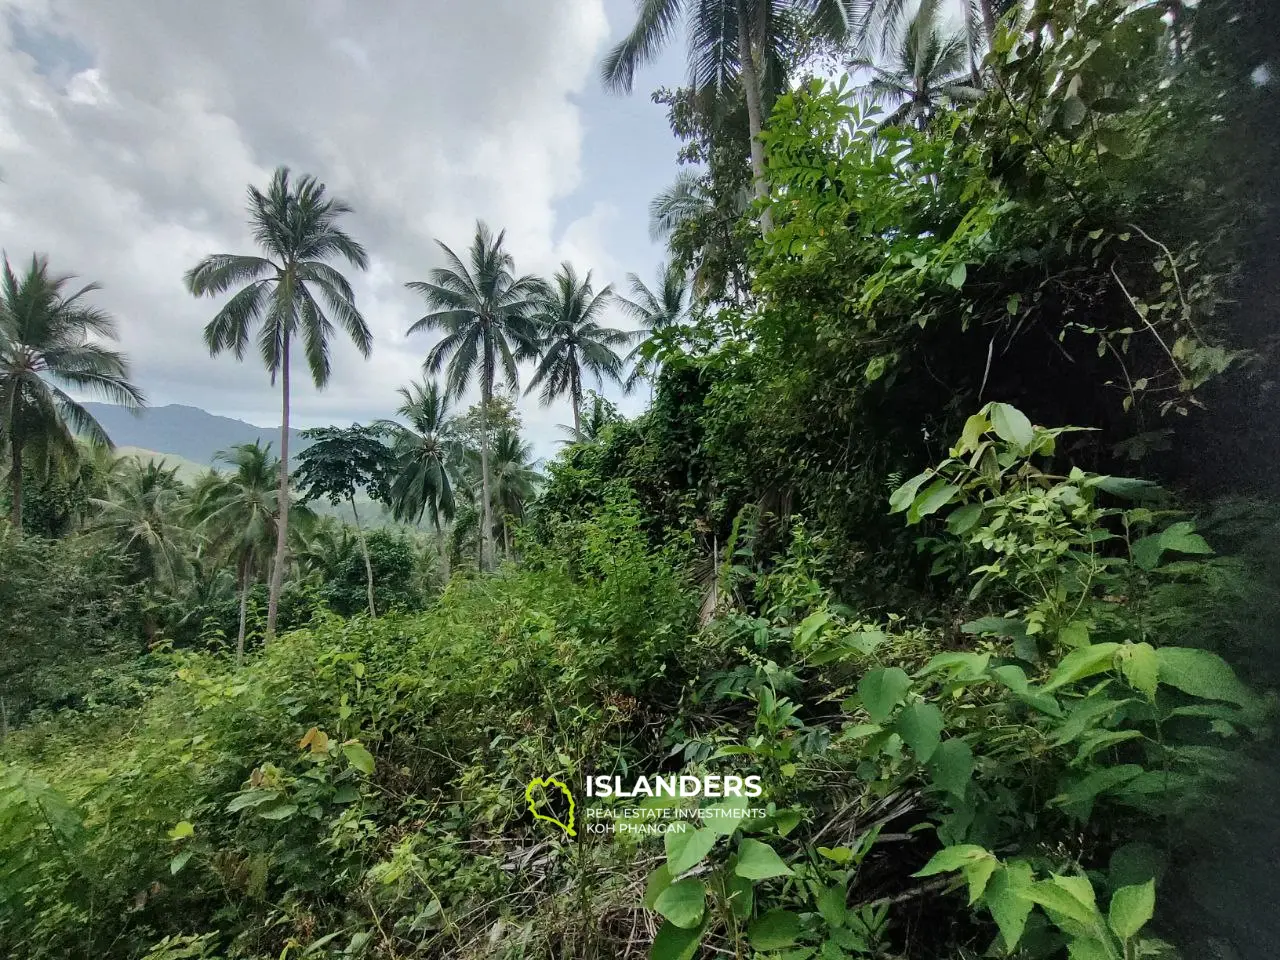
(542, 787)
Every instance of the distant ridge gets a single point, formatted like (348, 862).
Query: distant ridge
(187, 432)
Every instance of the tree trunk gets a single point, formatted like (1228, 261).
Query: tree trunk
(364, 549)
(443, 549)
(506, 535)
(486, 508)
(282, 528)
(988, 21)
(755, 112)
(4, 722)
(577, 424)
(15, 478)
(244, 607)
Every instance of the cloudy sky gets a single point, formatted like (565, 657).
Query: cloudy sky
(129, 131)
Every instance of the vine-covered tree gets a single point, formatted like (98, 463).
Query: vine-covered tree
(291, 291)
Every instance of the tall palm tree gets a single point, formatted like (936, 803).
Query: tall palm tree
(515, 480)
(929, 70)
(655, 310)
(572, 342)
(426, 453)
(734, 45)
(239, 513)
(47, 342)
(486, 313)
(291, 290)
(880, 25)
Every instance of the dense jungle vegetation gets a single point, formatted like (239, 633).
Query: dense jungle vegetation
(951, 516)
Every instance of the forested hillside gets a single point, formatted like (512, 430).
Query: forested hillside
(951, 517)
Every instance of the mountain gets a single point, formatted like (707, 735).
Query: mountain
(187, 432)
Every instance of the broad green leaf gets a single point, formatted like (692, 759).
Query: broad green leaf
(971, 436)
(995, 627)
(952, 766)
(759, 861)
(1078, 799)
(1006, 898)
(282, 812)
(875, 368)
(1074, 634)
(959, 273)
(977, 874)
(358, 757)
(1090, 660)
(963, 519)
(1088, 948)
(774, 930)
(882, 689)
(920, 726)
(726, 816)
(962, 666)
(931, 499)
(675, 943)
(903, 497)
(1141, 667)
(1131, 908)
(1060, 900)
(687, 847)
(683, 903)
(1201, 674)
(840, 855)
(833, 905)
(251, 798)
(1012, 425)
(181, 830)
(658, 881)
(953, 858)
(180, 860)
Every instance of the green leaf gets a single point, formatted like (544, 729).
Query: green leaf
(932, 499)
(759, 861)
(1078, 799)
(687, 847)
(833, 905)
(1088, 948)
(952, 858)
(959, 273)
(1065, 896)
(1005, 897)
(182, 830)
(774, 930)
(675, 943)
(1086, 662)
(875, 368)
(683, 903)
(903, 497)
(726, 816)
(840, 855)
(971, 436)
(658, 881)
(1131, 908)
(1074, 634)
(1141, 667)
(995, 626)
(1072, 113)
(882, 689)
(1201, 674)
(251, 798)
(952, 766)
(358, 757)
(282, 812)
(1012, 425)
(920, 726)
(1115, 141)
(180, 860)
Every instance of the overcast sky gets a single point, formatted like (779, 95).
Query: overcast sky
(130, 129)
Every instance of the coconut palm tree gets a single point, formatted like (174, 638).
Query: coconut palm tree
(515, 480)
(736, 47)
(655, 310)
(290, 291)
(929, 70)
(142, 513)
(48, 341)
(425, 456)
(486, 313)
(572, 342)
(239, 513)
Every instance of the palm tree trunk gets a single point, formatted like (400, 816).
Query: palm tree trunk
(755, 118)
(282, 528)
(506, 535)
(577, 424)
(486, 508)
(15, 478)
(443, 549)
(364, 549)
(988, 21)
(244, 608)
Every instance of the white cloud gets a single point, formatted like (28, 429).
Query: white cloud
(129, 132)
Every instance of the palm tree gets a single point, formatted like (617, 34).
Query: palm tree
(142, 513)
(287, 292)
(486, 313)
(655, 311)
(733, 45)
(515, 480)
(930, 69)
(880, 25)
(239, 512)
(426, 453)
(47, 343)
(573, 342)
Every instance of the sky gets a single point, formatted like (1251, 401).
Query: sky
(130, 131)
